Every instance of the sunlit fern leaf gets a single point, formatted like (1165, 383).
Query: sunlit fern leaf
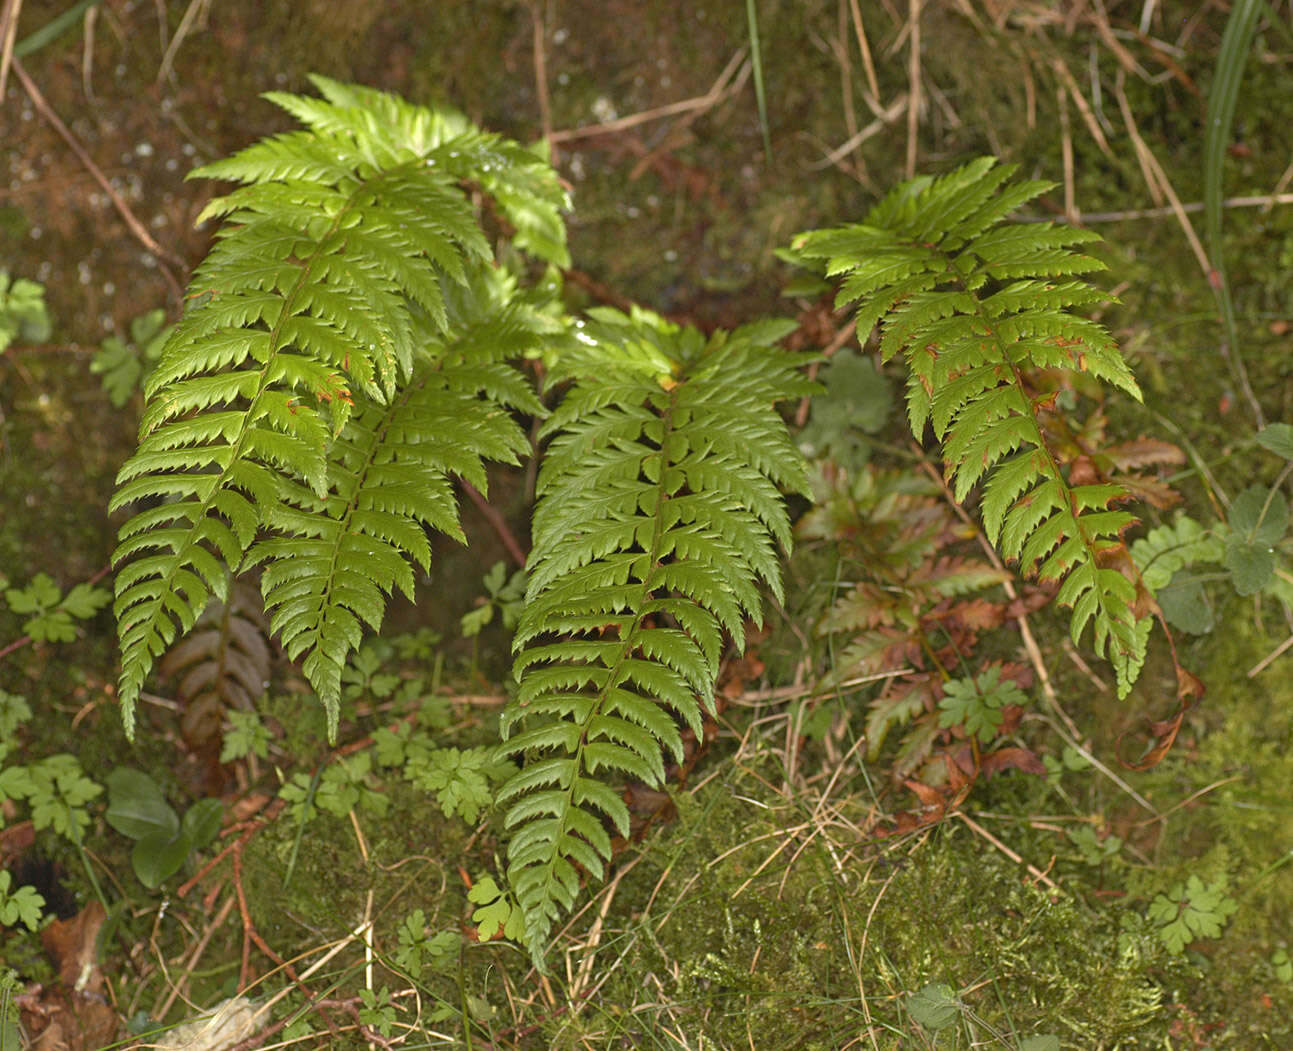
(351, 267)
(657, 521)
(972, 305)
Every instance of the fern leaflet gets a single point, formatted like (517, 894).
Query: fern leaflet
(973, 305)
(658, 512)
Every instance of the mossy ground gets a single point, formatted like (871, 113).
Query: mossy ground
(766, 916)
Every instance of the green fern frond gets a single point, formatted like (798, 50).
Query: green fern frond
(350, 293)
(333, 562)
(658, 514)
(973, 306)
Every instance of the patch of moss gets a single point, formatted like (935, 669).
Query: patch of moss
(757, 935)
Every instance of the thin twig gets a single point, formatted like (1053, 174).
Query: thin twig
(161, 1009)
(868, 65)
(1266, 661)
(1266, 201)
(1066, 154)
(913, 85)
(497, 521)
(136, 227)
(699, 102)
(8, 34)
(1033, 870)
(1156, 171)
(541, 81)
(195, 10)
(1156, 178)
(850, 144)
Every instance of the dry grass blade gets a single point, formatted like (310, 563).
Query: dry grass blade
(913, 84)
(1156, 179)
(738, 67)
(889, 116)
(8, 34)
(1084, 107)
(194, 15)
(868, 64)
(541, 77)
(1265, 202)
(984, 834)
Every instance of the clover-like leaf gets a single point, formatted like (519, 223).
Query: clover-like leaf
(977, 703)
(1191, 910)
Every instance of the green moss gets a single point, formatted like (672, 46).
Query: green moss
(757, 937)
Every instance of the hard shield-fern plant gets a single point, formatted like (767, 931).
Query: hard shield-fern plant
(657, 517)
(345, 350)
(973, 305)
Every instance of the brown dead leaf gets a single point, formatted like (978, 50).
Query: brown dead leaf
(74, 1017)
(1011, 759)
(1145, 452)
(932, 799)
(70, 944)
(1189, 692)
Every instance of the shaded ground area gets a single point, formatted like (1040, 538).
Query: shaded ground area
(767, 915)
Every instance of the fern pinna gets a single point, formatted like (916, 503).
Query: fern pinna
(658, 512)
(343, 352)
(973, 304)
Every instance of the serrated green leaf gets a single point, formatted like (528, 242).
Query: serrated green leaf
(1260, 515)
(1278, 438)
(22, 904)
(1251, 565)
(935, 1006)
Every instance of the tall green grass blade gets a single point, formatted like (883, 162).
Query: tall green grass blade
(752, 18)
(1236, 43)
(52, 29)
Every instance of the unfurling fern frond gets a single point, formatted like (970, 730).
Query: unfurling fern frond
(973, 305)
(295, 416)
(658, 511)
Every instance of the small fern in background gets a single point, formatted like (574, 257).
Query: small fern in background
(973, 305)
(658, 516)
(344, 350)
(221, 666)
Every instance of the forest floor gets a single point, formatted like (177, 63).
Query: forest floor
(776, 899)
